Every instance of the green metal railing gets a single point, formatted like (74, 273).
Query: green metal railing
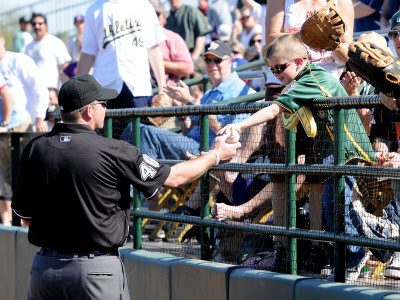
(290, 169)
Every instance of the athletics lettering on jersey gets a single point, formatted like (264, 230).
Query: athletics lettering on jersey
(146, 171)
(119, 30)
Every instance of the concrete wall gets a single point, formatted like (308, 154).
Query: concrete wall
(164, 277)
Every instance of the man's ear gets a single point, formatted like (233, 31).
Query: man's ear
(87, 114)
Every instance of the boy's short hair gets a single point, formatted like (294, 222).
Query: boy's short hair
(287, 46)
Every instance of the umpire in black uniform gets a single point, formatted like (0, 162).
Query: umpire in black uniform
(73, 193)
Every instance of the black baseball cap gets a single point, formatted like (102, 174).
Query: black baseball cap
(219, 49)
(81, 91)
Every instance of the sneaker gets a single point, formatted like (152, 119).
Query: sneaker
(352, 274)
(326, 271)
(393, 269)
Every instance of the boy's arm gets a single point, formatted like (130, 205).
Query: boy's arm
(266, 114)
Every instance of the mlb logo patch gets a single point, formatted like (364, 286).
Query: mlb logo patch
(65, 139)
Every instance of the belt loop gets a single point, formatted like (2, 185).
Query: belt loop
(91, 255)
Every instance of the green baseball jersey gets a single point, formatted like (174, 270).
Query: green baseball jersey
(315, 82)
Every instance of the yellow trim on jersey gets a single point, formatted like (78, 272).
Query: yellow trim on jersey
(304, 115)
(358, 147)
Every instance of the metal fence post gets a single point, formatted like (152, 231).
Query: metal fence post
(339, 226)
(290, 198)
(204, 190)
(108, 131)
(137, 221)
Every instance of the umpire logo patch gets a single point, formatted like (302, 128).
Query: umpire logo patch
(146, 171)
(65, 139)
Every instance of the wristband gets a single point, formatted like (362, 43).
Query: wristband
(218, 158)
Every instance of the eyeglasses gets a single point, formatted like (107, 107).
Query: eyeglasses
(235, 52)
(37, 23)
(255, 41)
(102, 103)
(216, 60)
(242, 18)
(393, 34)
(278, 69)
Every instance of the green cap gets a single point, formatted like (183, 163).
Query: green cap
(395, 19)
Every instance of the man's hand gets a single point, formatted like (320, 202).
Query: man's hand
(226, 151)
(390, 103)
(180, 93)
(41, 125)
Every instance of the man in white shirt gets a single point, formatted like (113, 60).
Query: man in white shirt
(120, 38)
(49, 52)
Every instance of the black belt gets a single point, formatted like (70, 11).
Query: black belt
(62, 254)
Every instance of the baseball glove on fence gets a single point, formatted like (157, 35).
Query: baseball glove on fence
(163, 100)
(376, 66)
(318, 29)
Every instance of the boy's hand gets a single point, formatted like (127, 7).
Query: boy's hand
(230, 129)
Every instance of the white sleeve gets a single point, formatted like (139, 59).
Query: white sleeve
(257, 11)
(89, 41)
(39, 94)
(62, 53)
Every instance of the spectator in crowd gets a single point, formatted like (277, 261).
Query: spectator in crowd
(258, 9)
(177, 60)
(190, 24)
(245, 27)
(48, 52)
(23, 36)
(75, 41)
(256, 42)
(287, 57)
(121, 53)
(367, 15)
(53, 108)
(29, 92)
(389, 8)
(5, 188)
(237, 54)
(75, 47)
(218, 14)
(203, 6)
(92, 177)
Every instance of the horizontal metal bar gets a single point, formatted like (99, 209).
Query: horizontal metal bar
(272, 230)
(315, 169)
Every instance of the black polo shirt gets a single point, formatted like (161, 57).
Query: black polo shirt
(74, 186)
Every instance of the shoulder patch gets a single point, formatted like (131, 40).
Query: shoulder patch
(146, 171)
(290, 87)
(151, 161)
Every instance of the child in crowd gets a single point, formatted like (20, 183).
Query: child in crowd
(305, 81)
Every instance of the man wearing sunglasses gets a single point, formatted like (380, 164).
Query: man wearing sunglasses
(49, 52)
(73, 192)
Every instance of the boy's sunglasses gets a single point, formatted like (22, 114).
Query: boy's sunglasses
(278, 69)
(393, 34)
(216, 60)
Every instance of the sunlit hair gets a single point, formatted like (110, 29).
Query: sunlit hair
(286, 46)
(73, 116)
